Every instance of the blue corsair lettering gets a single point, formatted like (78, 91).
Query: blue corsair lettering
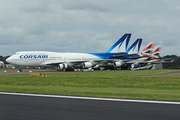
(32, 56)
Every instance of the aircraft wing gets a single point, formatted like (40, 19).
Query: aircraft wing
(61, 62)
(138, 57)
(94, 62)
(135, 59)
(122, 56)
(152, 61)
(163, 61)
(143, 68)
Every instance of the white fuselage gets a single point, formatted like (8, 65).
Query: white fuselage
(41, 58)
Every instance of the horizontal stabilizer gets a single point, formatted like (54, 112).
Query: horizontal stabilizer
(162, 61)
(138, 57)
(122, 56)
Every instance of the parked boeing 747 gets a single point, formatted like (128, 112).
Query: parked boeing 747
(147, 58)
(70, 61)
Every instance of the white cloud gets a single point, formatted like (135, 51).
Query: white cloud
(87, 26)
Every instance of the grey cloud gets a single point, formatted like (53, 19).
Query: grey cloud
(87, 26)
(86, 5)
(35, 6)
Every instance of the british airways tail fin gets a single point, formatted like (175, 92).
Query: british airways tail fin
(133, 46)
(156, 52)
(147, 50)
(120, 42)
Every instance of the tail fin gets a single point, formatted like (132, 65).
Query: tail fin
(156, 52)
(120, 42)
(138, 41)
(147, 50)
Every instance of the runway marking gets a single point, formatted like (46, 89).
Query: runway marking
(91, 98)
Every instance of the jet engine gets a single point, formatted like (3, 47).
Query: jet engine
(117, 64)
(96, 66)
(135, 65)
(87, 65)
(63, 66)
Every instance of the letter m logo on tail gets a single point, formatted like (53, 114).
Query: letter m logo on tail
(125, 37)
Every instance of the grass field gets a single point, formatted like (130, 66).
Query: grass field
(109, 84)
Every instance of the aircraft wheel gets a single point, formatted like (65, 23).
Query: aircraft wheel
(20, 70)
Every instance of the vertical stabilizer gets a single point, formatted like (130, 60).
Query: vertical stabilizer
(119, 43)
(147, 50)
(133, 47)
(156, 52)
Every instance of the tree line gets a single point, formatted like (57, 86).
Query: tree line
(174, 65)
(4, 59)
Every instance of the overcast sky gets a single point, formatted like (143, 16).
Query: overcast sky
(87, 25)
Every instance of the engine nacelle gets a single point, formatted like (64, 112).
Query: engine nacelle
(96, 66)
(117, 64)
(135, 65)
(87, 65)
(63, 66)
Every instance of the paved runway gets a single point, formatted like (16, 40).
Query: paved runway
(44, 108)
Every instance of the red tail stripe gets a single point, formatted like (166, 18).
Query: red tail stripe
(149, 47)
(143, 54)
(157, 50)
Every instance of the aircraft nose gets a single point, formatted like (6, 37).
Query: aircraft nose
(8, 60)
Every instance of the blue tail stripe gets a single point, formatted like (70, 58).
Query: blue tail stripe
(134, 45)
(139, 45)
(127, 41)
(118, 42)
(149, 51)
(134, 48)
(157, 54)
(120, 46)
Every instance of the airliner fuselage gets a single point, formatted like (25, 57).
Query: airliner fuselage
(47, 59)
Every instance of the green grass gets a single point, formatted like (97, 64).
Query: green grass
(114, 73)
(109, 84)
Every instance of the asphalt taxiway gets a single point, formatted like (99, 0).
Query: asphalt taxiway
(20, 107)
